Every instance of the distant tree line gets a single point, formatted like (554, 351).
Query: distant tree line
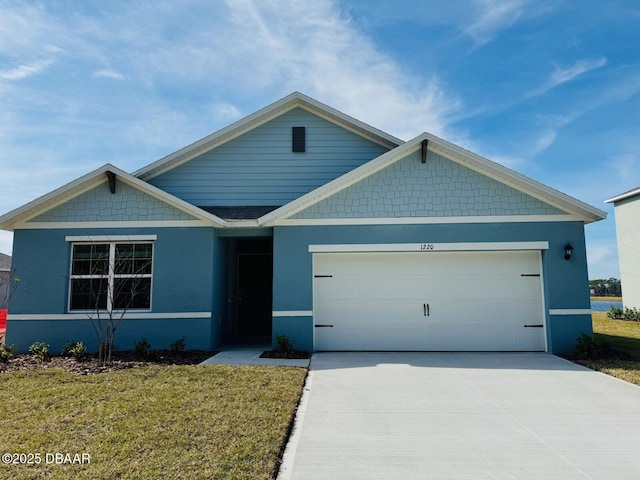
(605, 287)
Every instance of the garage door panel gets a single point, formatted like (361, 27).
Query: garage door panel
(476, 301)
(373, 337)
(380, 312)
(367, 287)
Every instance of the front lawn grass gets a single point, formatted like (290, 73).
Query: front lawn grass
(621, 339)
(192, 422)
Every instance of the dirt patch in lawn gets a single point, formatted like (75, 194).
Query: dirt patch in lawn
(91, 366)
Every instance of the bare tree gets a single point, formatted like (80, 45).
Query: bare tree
(107, 281)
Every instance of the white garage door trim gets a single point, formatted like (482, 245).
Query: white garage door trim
(429, 247)
(539, 344)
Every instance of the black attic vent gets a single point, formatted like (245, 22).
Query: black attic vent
(297, 139)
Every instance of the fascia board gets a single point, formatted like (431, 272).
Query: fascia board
(455, 153)
(624, 196)
(261, 117)
(52, 199)
(516, 180)
(91, 180)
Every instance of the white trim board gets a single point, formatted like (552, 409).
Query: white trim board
(569, 311)
(425, 220)
(429, 247)
(292, 313)
(127, 316)
(111, 238)
(113, 224)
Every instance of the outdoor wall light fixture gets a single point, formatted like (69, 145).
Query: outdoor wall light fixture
(568, 251)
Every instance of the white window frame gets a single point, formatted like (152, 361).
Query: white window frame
(111, 275)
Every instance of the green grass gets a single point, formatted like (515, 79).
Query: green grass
(622, 339)
(607, 299)
(192, 422)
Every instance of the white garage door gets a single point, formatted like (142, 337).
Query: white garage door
(442, 301)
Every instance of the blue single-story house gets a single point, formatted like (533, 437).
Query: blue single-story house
(302, 221)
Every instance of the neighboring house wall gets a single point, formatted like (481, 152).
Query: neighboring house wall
(565, 282)
(259, 168)
(627, 213)
(5, 288)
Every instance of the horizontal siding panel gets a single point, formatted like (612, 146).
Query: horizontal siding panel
(259, 168)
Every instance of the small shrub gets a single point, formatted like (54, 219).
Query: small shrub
(40, 350)
(283, 344)
(632, 314)
(616, 313)
(178, 345)
(5, 352)
(76, 350)
(629, 313)
(588, 348)
(143, 349)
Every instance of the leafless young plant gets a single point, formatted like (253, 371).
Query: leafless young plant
(107, 281)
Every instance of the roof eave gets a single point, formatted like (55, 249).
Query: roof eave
(564, 202)
(87, 182)
(624, 196)
(291, 101)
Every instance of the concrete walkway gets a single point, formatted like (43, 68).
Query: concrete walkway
(251, 356)
(462, 416)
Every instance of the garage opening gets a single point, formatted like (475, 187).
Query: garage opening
(434, 301)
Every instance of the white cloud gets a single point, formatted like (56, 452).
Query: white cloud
(493, 16)
(316, 49)
(25, 70)
(106, 73)
(226, 112)
(565, 74)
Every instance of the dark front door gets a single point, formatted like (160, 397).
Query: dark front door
(254, 285)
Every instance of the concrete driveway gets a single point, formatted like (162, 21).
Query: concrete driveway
(462, 416)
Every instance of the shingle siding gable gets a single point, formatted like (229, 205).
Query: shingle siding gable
(438, 188)
(99, 205)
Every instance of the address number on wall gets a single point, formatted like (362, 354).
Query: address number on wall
(424, 247)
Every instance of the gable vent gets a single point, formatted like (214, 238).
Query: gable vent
(298, 139)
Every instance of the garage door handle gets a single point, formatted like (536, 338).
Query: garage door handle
(425, 308)
(323, 326)
(533, 326)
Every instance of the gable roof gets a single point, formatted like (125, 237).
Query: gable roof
(294, 100)
(272, 215)
(566, 203)
(624, 196)
(89, 181)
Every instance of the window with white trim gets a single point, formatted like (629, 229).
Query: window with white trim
(111, 276)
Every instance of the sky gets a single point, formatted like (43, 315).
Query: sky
(549, 88)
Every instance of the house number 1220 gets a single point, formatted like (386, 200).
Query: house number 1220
(426, 246)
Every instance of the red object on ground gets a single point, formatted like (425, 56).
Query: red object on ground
(3, 320)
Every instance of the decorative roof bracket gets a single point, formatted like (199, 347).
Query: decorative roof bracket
(425, 144)
(112, 181)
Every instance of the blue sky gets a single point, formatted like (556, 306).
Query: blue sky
(548, 88)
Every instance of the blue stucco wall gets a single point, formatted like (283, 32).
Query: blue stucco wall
(566, 282)
(183, 282)
(298, 329)
(259, 168)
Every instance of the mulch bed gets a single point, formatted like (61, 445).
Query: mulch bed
(120, 361)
